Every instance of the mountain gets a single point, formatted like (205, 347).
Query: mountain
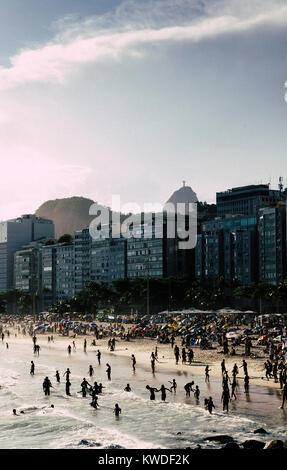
(68, 214)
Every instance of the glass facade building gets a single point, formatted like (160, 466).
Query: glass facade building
(246, 200)
(272, 244)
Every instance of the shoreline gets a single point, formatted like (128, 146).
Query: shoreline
(142, 348)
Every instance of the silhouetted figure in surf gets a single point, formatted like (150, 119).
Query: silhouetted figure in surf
(176, 354)
(46, 386)
(58, 377)
(68, 385)
(196, 392)
(127, 388)
(233, 388)
(84, 386)
(32, 370)
(163, 392)
(225, 398)
(152, 391)
(99, 357)
(210, 405)
(108, 371)
(246, 384)
(117, 410)
(91, 371)
(69, 349)
(94, 402)
(188, 388)
(67, 374)
(174, 385)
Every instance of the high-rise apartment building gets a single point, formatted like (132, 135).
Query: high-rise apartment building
(14, 234)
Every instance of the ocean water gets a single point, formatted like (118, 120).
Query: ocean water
(73, 423)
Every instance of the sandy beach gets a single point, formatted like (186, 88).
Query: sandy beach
(142, 348)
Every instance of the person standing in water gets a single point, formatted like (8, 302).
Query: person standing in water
(91, 371)
(163, 392)
(46, 386)
(108, 371)
(128, 388)
(32, 370)
(207, 370)
(174, 385)
(58, 377)
(67, 374)
(69, 349)
(99, 357)
(225, 398)
(196, 392)
(152, 391)
(68, 385)
(210, 405)
(176, 354)
(85, 345)
(188, 388)
(117, 410)
(84, 386)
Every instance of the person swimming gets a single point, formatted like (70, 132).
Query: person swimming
(127, 388)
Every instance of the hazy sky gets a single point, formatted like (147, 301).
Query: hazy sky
(102, 97)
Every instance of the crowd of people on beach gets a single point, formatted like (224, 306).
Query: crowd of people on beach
(274, 366)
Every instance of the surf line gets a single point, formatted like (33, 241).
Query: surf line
(109, 460)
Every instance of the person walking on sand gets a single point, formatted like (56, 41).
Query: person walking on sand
(207, 370)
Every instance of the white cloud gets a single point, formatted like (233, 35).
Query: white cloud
(109, 37)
